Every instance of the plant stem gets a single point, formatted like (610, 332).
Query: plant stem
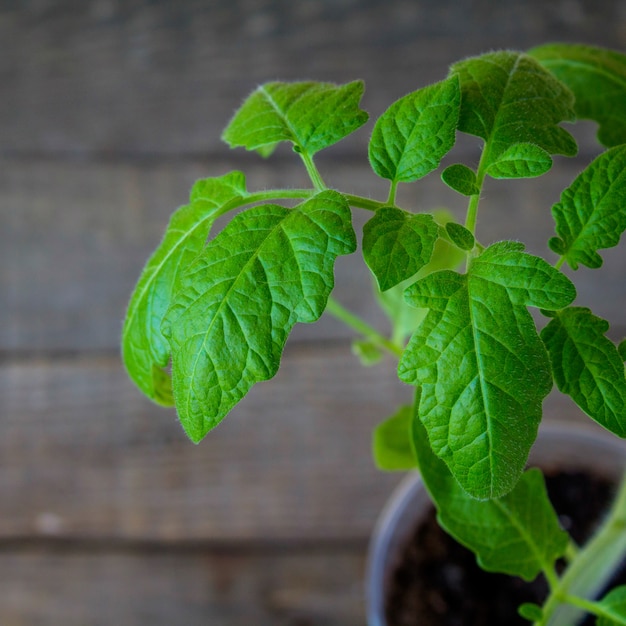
(355, 322)
(391, 200)
(364, 203)
(589, 572)
(314, 175)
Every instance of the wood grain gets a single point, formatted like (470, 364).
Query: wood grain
(149, 78)
(191, 586)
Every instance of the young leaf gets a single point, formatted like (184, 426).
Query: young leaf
(310, 115)
(613, 608)
(392, 446)
(397, 244)
(530, 611)
(404, 318)
(587, 366)
(460, 236)
(508, 98)
(461, 178)
(521, 160)
(144, 349)
(482, 367)
(368, 352)
(598, 79)
(518, 534)
(591, 214)
(412, 136)
(227, 325)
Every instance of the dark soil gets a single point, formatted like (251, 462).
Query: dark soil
(438, 583)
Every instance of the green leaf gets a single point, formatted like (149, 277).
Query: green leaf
(621, 348)
(461, 178)
(144, 349)
(530, 611)
(597, 77)
(613, 607)
(392, 445)
(404, 318)
(460, 236)
(227, 325)
(508, 98)
(397, 244)
(521, 160)
(368, 352)
(587, 366)
(591, 214)
(310, 115)
(518, 534)
(412, 136)
(482, 367)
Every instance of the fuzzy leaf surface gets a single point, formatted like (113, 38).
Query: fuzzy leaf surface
(587, 366)
(597, 77)
(521, 160)
(311, 115)
(508, 98)
(268, 269)
(461, 178)
(614, 608)
(591, 214)
(392, 445)
(481, 365)
(412, 136)
(144, 349)
(460, 236)
(404, 318)
(518, 534)
(397, 244)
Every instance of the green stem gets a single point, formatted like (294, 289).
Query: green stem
(314, 175)
(364, 203)
(391, 200)
(589, 572)
(595, 608)
(264, 196)
(356, 323)
(559, 263)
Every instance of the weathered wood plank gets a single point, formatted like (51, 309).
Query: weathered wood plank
(75, 235)
(262, 587)
(82, 454)
(146, 78)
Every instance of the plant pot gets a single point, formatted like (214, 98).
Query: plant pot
(559, 446)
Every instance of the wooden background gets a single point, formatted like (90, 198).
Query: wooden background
(109, 110)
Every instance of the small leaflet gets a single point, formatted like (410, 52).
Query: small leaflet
(521, 160)
(591, 214)
(460, 236)
(392, 444)
(461, 178)
(587, 366)
(397, 244)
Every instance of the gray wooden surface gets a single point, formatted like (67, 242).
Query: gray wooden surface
(109, 111)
